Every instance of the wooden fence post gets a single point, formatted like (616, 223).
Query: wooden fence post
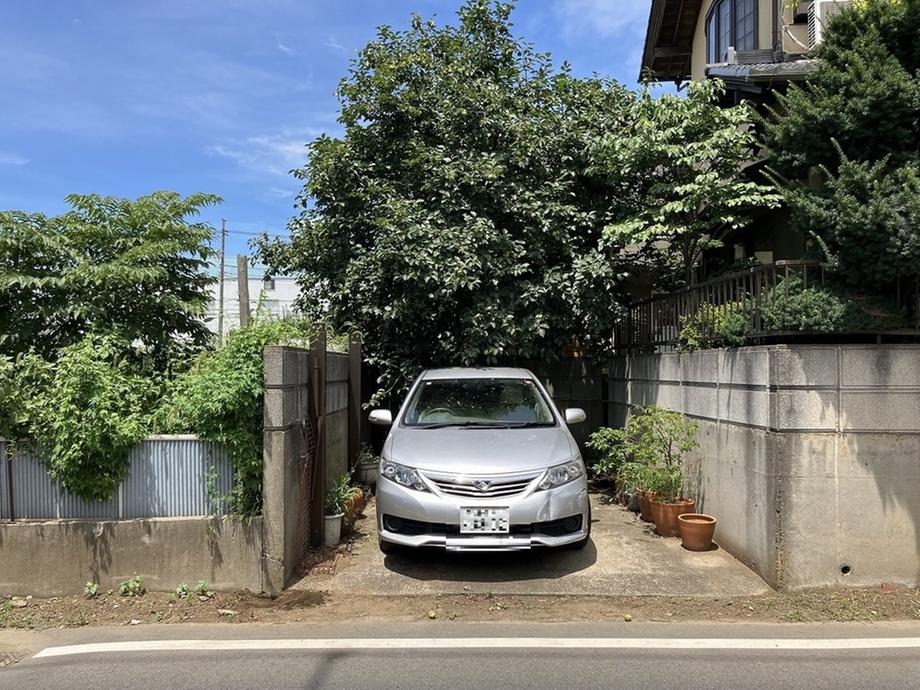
(318, 488)
(354, 399)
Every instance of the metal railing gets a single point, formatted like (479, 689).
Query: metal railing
(655, 323)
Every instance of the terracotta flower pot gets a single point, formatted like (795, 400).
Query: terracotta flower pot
(696, 530)
(645, 505)
(665, 515)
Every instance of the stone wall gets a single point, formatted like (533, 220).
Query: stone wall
(810, 454)
(58, 557)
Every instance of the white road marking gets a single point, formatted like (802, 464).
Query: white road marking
(422, 643)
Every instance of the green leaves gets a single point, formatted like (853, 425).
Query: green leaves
(85, 411)
(483, 206)
(846, 145)
(681, 160)
(133, 268)
(649, 453)
(220, 398)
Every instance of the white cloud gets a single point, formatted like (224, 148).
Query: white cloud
(330, 42)
(13, 159)
(273, 154)
(602, 17)
(282, 47)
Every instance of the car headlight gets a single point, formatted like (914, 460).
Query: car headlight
(406, 476)
(561, 474)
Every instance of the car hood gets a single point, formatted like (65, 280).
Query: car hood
(486, 451)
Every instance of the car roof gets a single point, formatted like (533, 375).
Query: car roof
(478, 373)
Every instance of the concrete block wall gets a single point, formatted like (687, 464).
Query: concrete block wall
(810, 453)
(54, 558)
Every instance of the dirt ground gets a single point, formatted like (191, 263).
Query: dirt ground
(295, 606)
(313, 600)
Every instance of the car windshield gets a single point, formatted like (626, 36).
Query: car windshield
(478, 402)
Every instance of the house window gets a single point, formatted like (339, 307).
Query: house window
(725, 29)
(744, 24)
(712, 51)
(730, 24)
(268, 284)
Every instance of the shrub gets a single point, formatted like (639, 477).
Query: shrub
(220, 398)
(85, 411)
(608, 448)
(648, 453)
(790, 306)
(715, 326)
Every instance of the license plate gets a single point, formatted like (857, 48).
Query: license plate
(485, 520)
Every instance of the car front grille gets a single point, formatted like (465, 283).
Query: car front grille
(412, 528)
(483, 487)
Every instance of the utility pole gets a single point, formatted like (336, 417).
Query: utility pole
(220, 289)
(242, 281)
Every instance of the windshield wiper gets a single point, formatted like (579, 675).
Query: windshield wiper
(442, 425)
(483, 425)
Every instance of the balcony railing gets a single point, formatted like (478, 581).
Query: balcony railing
(750, 297)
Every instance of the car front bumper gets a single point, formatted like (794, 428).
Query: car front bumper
(526, 510)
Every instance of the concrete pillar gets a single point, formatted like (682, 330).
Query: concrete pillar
(284, 515)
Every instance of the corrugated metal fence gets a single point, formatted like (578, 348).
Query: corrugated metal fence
(169, 476)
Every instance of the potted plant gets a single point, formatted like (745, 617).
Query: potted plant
(634, 477)
(674, 439)
(696, 531)
(368, 465)
(669, 501)
(337, 497)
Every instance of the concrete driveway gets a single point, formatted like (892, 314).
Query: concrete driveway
(624, 558)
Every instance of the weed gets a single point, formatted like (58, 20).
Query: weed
(201, 589)
(182, 591)
(91, 590)
(6, 612)
(132, 588)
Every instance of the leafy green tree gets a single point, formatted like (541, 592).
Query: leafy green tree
(464, 216)
(846, 145)
(454, 221)
(683, 156)
(136, 269)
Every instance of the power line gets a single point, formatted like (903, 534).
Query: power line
(259, 234)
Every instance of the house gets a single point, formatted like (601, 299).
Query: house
(754, 46)
(271, 298)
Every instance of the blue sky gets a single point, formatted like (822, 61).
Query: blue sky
(123, 97)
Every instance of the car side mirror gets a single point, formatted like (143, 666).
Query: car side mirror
(381, 417)
(574, 415)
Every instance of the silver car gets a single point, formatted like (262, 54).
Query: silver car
(479, 459)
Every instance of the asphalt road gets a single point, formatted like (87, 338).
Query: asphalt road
(482, 656)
